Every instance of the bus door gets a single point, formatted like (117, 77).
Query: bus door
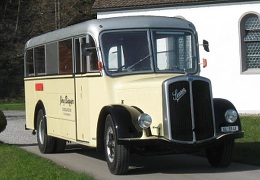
(85, 67)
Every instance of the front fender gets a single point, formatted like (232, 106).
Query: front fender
(220, 108)
(125, 121)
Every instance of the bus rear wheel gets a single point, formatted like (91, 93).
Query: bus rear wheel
(59, 145)
(117, 156)
(45, 143)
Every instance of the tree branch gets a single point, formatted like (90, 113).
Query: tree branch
(17, 19)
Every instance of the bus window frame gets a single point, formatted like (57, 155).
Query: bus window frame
(26, 65)
(84, 60)
(65, 69)
(37, 65)
(105, 58)
(56, 56)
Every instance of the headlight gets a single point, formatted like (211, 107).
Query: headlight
(231, 115)
(144, 121)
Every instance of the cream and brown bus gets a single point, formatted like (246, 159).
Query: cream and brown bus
(126, 85)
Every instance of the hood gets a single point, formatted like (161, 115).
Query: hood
(143, 92)
(142, 82)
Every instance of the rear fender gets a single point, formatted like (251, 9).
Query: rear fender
(38, 106)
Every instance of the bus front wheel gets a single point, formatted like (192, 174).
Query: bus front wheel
(45, 143)
(221, 155)
(117, 156)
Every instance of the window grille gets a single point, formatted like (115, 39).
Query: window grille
(252, 42)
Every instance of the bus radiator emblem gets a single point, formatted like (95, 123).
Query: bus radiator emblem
(177, 95)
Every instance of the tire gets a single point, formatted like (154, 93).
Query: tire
(59, 145)
(117, 156)
(45, 142)
(221, 155)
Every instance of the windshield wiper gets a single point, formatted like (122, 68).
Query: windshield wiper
(133, 65)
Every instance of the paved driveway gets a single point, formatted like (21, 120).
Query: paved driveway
(15, 132)
(82, 159)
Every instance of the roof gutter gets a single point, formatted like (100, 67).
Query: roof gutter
(150, 6)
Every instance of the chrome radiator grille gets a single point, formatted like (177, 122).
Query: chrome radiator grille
(190, 114)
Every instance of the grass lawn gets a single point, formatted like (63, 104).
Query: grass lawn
(12, 105)
(247, 149)
(16, 163)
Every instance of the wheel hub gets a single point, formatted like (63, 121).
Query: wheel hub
(110, 145)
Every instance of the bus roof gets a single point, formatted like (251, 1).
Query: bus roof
(95, 26)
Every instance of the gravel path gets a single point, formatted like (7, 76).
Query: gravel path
(15, 132)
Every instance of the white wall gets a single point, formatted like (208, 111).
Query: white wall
(219, 24)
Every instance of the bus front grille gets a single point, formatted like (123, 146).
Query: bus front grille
(190, 110)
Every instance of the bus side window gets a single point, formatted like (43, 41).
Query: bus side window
(29, 71)
(85, 55)
(80, 62)
(90, 59)
(52, 58)
(65, 57)
(39, 56)
(77, 55)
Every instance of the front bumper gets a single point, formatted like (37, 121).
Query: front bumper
(177, 147)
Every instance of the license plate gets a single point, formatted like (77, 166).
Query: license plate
(229, 129)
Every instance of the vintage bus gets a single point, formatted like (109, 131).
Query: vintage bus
(126, 85)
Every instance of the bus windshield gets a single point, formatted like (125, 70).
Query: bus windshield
(148, 51)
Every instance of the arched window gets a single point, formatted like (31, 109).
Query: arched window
(250, 43)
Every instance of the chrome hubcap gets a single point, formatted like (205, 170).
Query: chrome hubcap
(110, 144)
(41, 131)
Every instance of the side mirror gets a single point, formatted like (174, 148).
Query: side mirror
(206, 45)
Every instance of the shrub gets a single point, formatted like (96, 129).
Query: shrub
(3, 121)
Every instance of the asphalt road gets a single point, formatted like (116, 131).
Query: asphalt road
(82, 159)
